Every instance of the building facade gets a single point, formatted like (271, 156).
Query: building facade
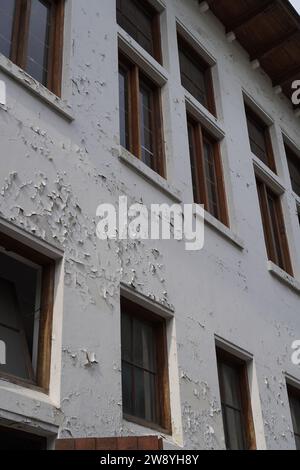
(157, 101)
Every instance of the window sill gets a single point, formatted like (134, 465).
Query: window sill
(204, 116)
(284, 277)
(19, 75)
(223, 230)
(146, 424)
(150, 175)
(142, 58)
(267, 176)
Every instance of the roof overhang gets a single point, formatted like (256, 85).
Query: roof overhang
(269, 30)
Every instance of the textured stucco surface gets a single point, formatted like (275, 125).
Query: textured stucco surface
(54, 172)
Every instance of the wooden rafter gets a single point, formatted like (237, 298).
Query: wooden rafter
(267, 49)
(249, 15)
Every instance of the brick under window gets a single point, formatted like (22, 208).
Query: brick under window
(140, 116)
(139, 19)
(274, 227)
(31, 35)
(196, 75)
(235, 400)
(26, 304)
(145, 386)
(207, 172)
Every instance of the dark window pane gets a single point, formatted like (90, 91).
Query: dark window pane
(136, 20)
(193, 74)
(38, 41)
(7, 9)
(11, 439)
(146, 126)
(231, 399)
(139, 368)
(294, 168)
(294, 398)
(19, 316)
(127, 388)
(234, 429)
(257, 135)
(275, 230)
(211, 178)
(124, 108)
(194, 166)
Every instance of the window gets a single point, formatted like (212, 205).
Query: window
(26, 303)
(207, 174)
(31, 35)
(12, 439)
(260, 139)
(274, 229)
(139, 19)
(294, 399)
(140, 116)
(294, 168)
(235, 400)
(196, 75)
(144, 367)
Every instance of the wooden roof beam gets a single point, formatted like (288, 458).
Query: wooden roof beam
(267, 49)
(250, 15)
(286, 77)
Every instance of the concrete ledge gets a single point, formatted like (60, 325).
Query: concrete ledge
(284, 277)
(143, 170)
(224, 231)
(33, 86)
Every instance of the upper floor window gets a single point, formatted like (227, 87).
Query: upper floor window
(139, 19)
(196, 75)
(260, 139)
(274, 227)
(236, 404)
(294, 399)
(140, 115)
(294, 168)
(26, 303)
(207, 172)
(31, 35)
(144, 366)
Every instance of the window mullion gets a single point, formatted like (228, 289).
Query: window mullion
(23, 33)
(203, 191)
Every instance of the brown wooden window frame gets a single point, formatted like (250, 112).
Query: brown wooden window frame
(20, 37)
(134, 75)
(204, 67)
(135, 310)
(275, 252)
(151, 12)
(251, 115)
(199, 135)
(293, 158)
(241, 367)
(295, 393)
(42, 379)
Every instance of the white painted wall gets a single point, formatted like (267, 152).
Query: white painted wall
(54, 172)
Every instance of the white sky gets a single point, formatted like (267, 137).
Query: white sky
(296, 4)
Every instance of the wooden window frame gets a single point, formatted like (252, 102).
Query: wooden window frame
(199, 135)
(162, 385)
(20, 40)
(291, 155)
(263, 190)
(42, 380)
(293, 392)
(246, 411)
(134, 121)
(156, 29)
(206, 69)
(252, 116)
